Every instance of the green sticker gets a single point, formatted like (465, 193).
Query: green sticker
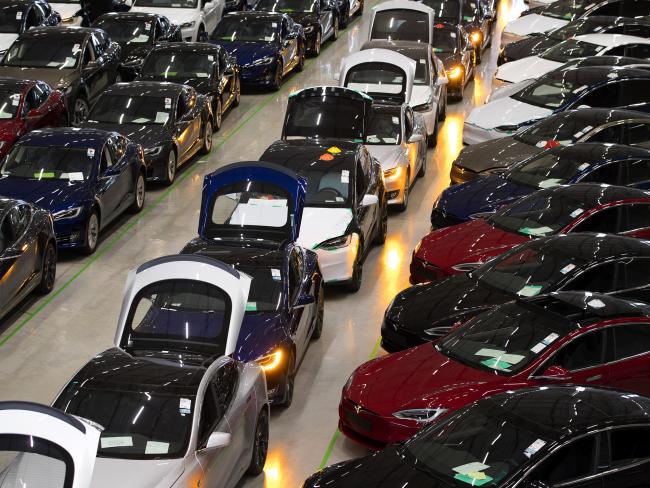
(168, 73)
(530, 290)
(494, 363)
(437, 50)
(465, 478)
(535, 231)
(42, 175)
(468, 17)
(251, 306)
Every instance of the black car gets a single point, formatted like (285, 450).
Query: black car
(591, 262)
(137, 33)
(27, 252)
(454, 48)
(208, 68)
(171, 122)
(18, 16)
(319, 18)
(82, 62)
(540, 437)
(598, 24)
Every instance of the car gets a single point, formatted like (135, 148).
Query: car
(27, 252)
(87, 178)
(402, 20)
(19, 16)
(588, 163)
(319, 19)
(582, 207)
(208, 68)
(171, 122)
(564, 128)
(346, 211)
(348, 9)
(266, 46)
(81, 62)
(197, 18)
(589, 45)
(137, 34)
(69, 10)
(532, 342)
(601, 263)
(251, 215)
(562, 12)
(598, 24)
(560, 90)
(531, 437)
(429, 93)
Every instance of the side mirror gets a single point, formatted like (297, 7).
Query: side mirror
(557, 373)
(304, 300)
(413, 138)
(442, 81)
(369, 200)
(218, 439)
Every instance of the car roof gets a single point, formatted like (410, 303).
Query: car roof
(612, 40)
(68, 136)
(197, 47)
(591, 248)
(143, 16)
(298, 154)
(242, 257)
(592, 195)
(401, 47)
(595, 75)
(597, 153)
(60, 32)
(596, 117)
(255, 13)
(140, 88)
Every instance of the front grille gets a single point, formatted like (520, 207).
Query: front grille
(440, 219)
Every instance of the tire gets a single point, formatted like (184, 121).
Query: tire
(301, 60)
(315, 51)
(277, 81)
(80, 111)
(354, 285)
(92, 233)
(423, 169)
(407, 193)
(289, 382)
(432, 140)
(345, 18)
(359, 12)
(335, 28)
(380, 238)
(218, 115)
(320, 314)
(172, 167)
(48, 270)
(443, 115)
(260, 444)
(200, 35)
(139, 194)
(206, 145)
(237, 99)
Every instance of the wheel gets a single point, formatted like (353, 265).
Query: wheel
(345, 18)
(218, 115)
(315, 51)
(81, 110)
(260, 444)
(48, 270)
(383, 226)
(237, 99)
(277, 79)
(139, 194)
(423, 168)
(471, 78)
(301, 60)
(335, 34)
(289, 381)
(357, 273)
(359, 12)
(432, 140)
(92, 233)
(207, 138)
(407, 192)
(443, 114)
(170, 170)
(320, 314)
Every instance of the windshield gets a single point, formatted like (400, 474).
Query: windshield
(166, 3)
(41, 52)
(385, 127)
(564, 129)
(444, 40)
(10, 19)
(540, 214)
(137, 424)
(566, 9)
(247, 28)
(553, 91)
(328, 185)
(576, 28)
(126, 109)
(479, 446)
(323, 117)
(445, 10)
(49, 163)
(176, 65)
(287, 6)
(127, 31)
(401, 25)
(571, 49)
(265, 294)
(470, 11)
(376, 78)
(547, 169)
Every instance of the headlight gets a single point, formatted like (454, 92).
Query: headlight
(349, 382)
(475, 37)
(455, 73)
(421, 415)
(493, 171)
(69, 213)
(514, 127)
(336, 243)
(263, 61)
(309, 29)
(466, 267)
(153, 151)
(396, 171)
(188, 25)
(271, 361)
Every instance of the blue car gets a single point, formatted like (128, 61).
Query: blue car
(612, 164)
(267, 45)
(84, 177)
(250, 218)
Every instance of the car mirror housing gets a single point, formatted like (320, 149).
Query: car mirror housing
(304, 300)
(415, 138)
(369, 200)
(442, 80)
(556, 372)
(218, 439)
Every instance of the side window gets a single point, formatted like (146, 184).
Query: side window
(638, 133)
(40, 96)
(30, 101)
(361, 183)
(285, 29)
(634, 8)
(609, 220)
(600, 278)
(294, 275)
(612, 8)
(33, 19)
(209, 416)
(158, 31)
(97, 45)
(225, 384)
(638, 216)
(638, 51)
(636, 172)
(89, 55)
(572, 462)
(631, 340)
(181, 107)
(610, 174)
(106, 161)
(620, 94)
(629, 445)
(585, 351)
(637, 30)
(9, 229)
(114, 153)
(636, 273)
(613, 134)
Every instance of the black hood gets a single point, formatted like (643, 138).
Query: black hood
(530, 46)
(304, 18)
(145, 135)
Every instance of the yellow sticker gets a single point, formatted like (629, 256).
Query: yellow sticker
(477, 475)
(334, 150)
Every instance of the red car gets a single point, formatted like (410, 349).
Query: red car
(559, 210)
(26, 105)
(565, 337)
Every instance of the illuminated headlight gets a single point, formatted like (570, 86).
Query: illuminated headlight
(309, 29)
(188, 25)
(396, 171)
(455, 73)
(466, 267)
(153, 151)
(420, 415)
(336, 243)
(475, 37)
(69, 213)
(271, 362)
(263, 61)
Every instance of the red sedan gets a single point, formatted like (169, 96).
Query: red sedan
(565, 337)
(560, 210)
(26, 105)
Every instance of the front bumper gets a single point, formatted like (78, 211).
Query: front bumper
(258, 75)
(473, 134)
(337, 264)
(459, 175)
(70, 233)
(395, 185)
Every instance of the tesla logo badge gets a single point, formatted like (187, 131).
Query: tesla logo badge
(358, 408)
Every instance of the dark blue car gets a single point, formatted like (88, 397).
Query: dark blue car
(267, 45)
(84, 177)
(250, 218)
(611, 164)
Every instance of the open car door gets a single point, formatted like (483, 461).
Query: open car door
(402, 20)
(185, 303)
(381, 73)
(41, 446)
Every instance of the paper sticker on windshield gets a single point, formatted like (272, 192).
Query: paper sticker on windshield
(15, 99)
(580, 88)
(155, 447)
(541, 144)
(108, 442)
(530, 291)
(161, 117)
(549, 183)
(168, 103)
(43, 174)
(185, 406)
(274, 24)
(501, 355)
(612, 76)
(535, 231)
(537, 348)
(453, 35)
(550, 339)
(596, 303)
(268, 38)
(495, 363)
(76, 48)
(251, 306)
(437, 50)
(395, 120)
(472, 474)
(568, 268)
(583, 166)
(576, 212)
(76, 176)
(90, 152)
(275, 274)
(210, 57)
(531, 450)
(147, 25)
(345, 176)
(19, 15)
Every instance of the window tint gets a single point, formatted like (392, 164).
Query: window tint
(225, 383)
(609, 220)
(568, 463)
(610, 174)
(631, 340)
(613, 134)
(629, 445)
(638, 134)
(360, 183)
(611, 277)
(638, 216)
(622, 94)
(88, 55)
(636, 173)
(637, 30)
(584, 351)
(637, 51)
(107, 161)
(210, 415)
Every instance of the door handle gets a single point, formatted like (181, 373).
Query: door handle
(595, 378)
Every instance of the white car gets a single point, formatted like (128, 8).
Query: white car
(67, 10)
(589, 45)
(197, 18)
(402, 20)
(538, 3)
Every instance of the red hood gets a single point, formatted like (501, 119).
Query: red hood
(420, 377)
(470, 242)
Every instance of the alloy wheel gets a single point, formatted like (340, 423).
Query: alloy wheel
(80, 111)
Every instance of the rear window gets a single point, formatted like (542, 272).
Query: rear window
(401, 25)
(325, 117)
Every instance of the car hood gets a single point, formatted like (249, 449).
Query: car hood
(320, 224)
(498, 153)
(6, 40)
(161, 473)
(247, 52)
(134, 51)
(201, 85)
(388, 155)
(471, 242)
(530, 46)
(8, 130)
(175, 15)
(304, 18)
(505, 111)
(145, 135)
(530, 24)
(52, 195)
(260, 333)
(449, 59)
(421, 94)
(65, 9)
(57, 78)
(526, 69)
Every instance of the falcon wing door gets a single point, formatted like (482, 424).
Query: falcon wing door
(186, 303)
(42, 446)
(402, 20)
(381, 73)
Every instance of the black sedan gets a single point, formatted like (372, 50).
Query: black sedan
(206, 67)
(171, 122)
(538, 438)
(454, 48)
(82, 62)
(18, 16)
(589, 262)
(137, 33)
(27, 252)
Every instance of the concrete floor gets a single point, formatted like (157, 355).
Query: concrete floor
(46, 340)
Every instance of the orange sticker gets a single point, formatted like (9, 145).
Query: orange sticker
(326, 157)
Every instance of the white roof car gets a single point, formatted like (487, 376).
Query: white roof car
(402, 20)
(588, 45)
